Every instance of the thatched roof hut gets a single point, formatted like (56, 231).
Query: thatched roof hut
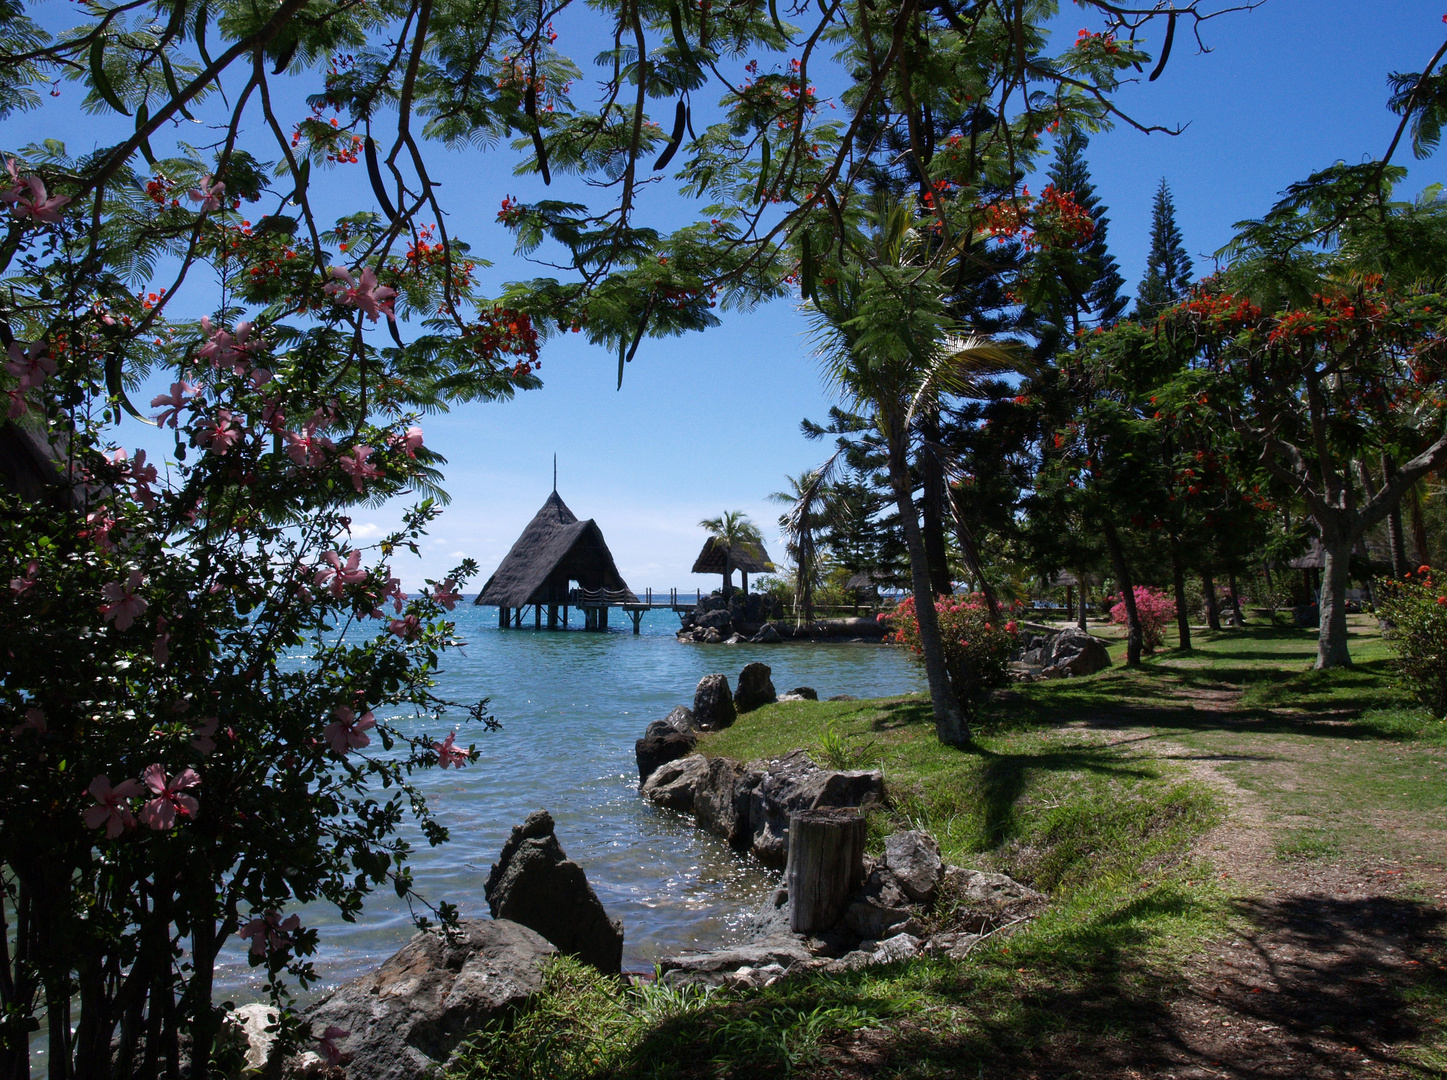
(750, 558)
(553, 550)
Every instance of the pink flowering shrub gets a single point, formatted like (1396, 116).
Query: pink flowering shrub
(977, 650)
(1414, 609)
(1155, 611)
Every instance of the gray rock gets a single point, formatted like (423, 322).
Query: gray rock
(768, 635)
(984, 901)
(718, 620)
(721, 800)
(1073, 652)
(680, 718)
(735, 639)
(808, 693)
(660, 746)
(756, 688)
(913, 858)
(878, 907)
(406, 1018)
(954, 945)
(673, 784)
(713, 968)
(713, 705)
(245, 1029)
(535, 883)
(897, 947)
(794, 782)
(707, 636)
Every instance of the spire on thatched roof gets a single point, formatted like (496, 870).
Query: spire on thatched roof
(750, 558)
(554, 549)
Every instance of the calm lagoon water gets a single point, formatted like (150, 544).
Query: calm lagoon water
(572, 704)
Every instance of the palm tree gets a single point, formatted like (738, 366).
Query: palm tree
(732, 532)
(888, 344)
(807, 491)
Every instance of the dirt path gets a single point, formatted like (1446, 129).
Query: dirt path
(1318, 977)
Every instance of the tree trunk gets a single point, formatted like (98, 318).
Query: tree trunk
(1208, 586)
(932, 512)
(1134, 638)
(1396, 541)
(1331, 648)
(1236, 618)
(950, 723)
(826, 865)
(1178, 579)
(1084, 603)
(744, 582)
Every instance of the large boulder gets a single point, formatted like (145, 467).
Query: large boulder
(768, 635)
(1073, 652)
(721, 800)
(674, 784)
(714, 968)
(536, 884)
(661, 743)
(913, 858)
(794, 782)
(405, 1019)
(719, 620)
(756, 687)
(713, 705)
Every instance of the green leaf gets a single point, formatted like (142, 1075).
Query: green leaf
(100, 80)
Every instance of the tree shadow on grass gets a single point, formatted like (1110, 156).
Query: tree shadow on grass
(1310, 987)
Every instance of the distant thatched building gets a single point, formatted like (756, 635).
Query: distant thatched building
(745, 557)
(554, 550)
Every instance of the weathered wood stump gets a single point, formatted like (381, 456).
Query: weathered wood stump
(826, 865)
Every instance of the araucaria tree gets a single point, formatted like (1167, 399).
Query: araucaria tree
(1167, 278)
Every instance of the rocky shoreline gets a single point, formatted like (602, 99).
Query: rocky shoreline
(758, 620)
(411, 1015)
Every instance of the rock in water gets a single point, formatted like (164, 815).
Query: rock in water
(713, 705)
(914, 859)
(680, 718)
(806, 693)
(661, 744)
(536, 884)
(756, 687)
(406, 1019)
(721, 800)
(674, 784)
(793, 782)
(768, 635)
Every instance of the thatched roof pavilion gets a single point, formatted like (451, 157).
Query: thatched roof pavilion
(745, 557)
(554, 549)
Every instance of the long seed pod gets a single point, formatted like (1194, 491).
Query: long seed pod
(143, 117)
(396, 334)
(680, 116)
(806, 267)
(374, 173)
(287, 52)
(530, 106)
(172, 87)
(680, 39)
(202, 17)
(763, 171)
(952, 18)
(1165, 48)
(116, 388)
(774, 14)
(101, 80)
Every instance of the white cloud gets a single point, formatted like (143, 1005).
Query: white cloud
(367, 531)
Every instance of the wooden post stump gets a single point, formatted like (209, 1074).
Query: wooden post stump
(826, 865)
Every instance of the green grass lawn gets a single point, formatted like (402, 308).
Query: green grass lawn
(1102, 793)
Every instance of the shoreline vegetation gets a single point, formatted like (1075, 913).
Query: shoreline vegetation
(1246, 862)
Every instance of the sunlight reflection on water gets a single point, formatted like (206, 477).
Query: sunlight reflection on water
(572, 705)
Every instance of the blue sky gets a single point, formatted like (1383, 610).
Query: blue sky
(710, 421)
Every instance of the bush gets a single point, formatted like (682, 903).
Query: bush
(1415, 610)
(1154, 609)
(977, 652)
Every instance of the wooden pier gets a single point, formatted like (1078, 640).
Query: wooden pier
(594, 604)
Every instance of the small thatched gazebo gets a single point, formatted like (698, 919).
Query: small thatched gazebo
(555, 549)
(746, 558)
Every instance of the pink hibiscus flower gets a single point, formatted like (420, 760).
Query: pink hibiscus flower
(122, 604)
(170, 797)
(356, 465)
(349, 731)
(110, 807)
(447, 754)
(366, 295)
(340, 574)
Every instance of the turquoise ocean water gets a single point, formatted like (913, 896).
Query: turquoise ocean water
(572, 704)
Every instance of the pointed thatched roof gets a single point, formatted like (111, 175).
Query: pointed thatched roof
(554, 549)
(750, 558)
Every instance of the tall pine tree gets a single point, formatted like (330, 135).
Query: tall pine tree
(1072, 286)
(1168, 269)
